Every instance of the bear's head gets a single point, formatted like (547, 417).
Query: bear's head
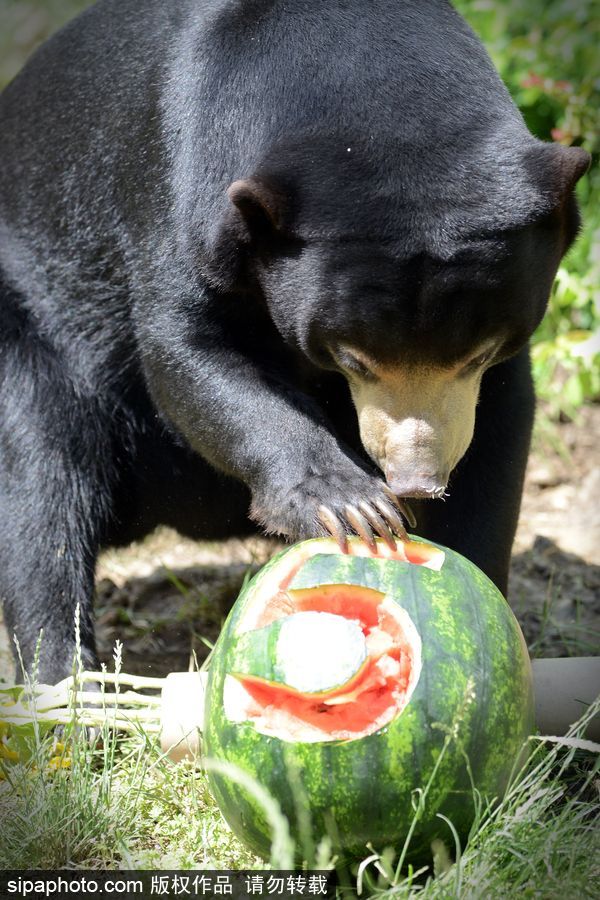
(410, 278)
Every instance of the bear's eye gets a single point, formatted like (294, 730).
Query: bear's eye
(479, 361)
(353, 366)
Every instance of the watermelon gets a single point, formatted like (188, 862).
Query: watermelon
(416, 665)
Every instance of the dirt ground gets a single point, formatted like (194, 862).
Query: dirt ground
(166, 598)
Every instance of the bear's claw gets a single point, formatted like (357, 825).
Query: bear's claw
(334, 526)
(402, 505)
(359, 522)
(378, 524)
(379, 517)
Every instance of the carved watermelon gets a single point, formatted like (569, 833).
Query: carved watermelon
(337, 678)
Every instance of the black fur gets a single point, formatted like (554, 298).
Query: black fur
(164, 346)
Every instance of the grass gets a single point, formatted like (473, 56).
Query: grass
(133, 809)
(541, 841)
(105, 801)
(117, 802)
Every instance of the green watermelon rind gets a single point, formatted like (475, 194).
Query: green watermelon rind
(362, 790)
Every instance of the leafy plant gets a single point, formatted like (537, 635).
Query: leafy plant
(547, 54)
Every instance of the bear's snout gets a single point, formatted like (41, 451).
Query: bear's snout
(410, 483)
(416, 425)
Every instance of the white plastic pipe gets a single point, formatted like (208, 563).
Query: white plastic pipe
(563, 689)
(182, 714)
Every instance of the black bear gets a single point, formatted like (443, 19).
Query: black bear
(263, 262)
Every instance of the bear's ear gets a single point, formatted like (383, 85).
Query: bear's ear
(555, 170)
(259, 204)
(256, 211)
(559, 168)
(572, 163)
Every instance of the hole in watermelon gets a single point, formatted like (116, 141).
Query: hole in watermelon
(369, 700)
